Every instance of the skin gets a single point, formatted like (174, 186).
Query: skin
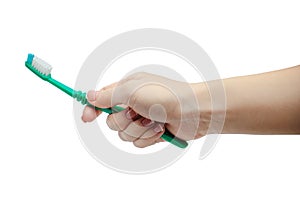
(267, 103)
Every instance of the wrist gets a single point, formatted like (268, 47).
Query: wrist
(204, 108)
(211, 99)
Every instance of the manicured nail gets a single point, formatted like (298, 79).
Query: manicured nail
(130, 114)
(91, 95)
(147, 122)
(158, 128)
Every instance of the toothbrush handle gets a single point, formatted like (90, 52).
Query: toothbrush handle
(167, 136)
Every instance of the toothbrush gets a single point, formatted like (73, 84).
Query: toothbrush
(43, 70)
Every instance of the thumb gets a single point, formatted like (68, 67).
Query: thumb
(107, 97)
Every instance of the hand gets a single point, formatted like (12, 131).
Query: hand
(154, 103)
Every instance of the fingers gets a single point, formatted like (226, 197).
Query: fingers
(136, 132)
(135, 129)
(89, 114)
(108, 96)
(132, 127)
(155, 133)
(119, 121)
(118, 92)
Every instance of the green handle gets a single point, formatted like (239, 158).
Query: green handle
(169, 137)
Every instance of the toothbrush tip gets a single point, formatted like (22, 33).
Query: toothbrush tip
(30, 58)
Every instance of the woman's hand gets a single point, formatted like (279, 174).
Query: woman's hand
(153, 104)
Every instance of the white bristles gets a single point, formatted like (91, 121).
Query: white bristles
(41, 66)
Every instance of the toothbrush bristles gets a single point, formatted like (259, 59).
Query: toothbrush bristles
(42, 66)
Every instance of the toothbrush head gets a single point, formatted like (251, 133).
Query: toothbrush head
(38, 66)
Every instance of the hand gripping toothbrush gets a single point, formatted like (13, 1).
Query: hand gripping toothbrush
(43, 70)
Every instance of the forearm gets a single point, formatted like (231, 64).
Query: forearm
(267, 103)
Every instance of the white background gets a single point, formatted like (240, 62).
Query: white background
(41, 156)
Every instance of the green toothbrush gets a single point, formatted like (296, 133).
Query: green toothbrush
(43, 70)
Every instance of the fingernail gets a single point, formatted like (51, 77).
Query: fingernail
(158, 128)
(130, 114)
(147, 122)
(91, 95)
